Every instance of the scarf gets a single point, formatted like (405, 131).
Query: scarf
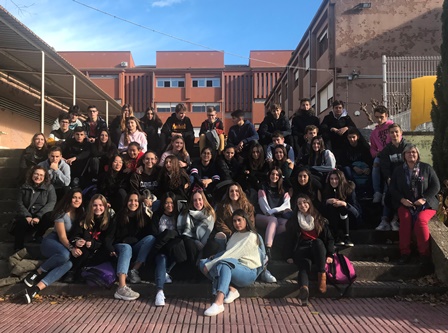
(306, 223)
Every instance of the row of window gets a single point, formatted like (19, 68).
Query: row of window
(195, 82)
(195, 107)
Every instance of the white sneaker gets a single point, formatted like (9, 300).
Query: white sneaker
(214, 310)
(267, 277)
(233, 295)
(160, 298)
(168, 278)
(377, 197)
(394, 224)
(383, 226)
(127, 294)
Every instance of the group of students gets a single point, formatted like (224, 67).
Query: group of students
(157, 206)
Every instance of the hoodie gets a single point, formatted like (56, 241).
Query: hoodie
(175, 125)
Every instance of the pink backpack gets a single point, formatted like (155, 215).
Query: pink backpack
(340, 271)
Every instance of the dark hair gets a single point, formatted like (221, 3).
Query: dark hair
(394, 125)
(172, 196)
(344, 189)
(29, 175)
(311, 128)
(110, 170)
(135, 144)
(180, 107)
(63, 116)
(278, 134)
(285, 154)
(361, 140)
(237, 114)
(253, 163)
(338, 102)
(280, 188)
(123, 216)
(156, 117)
(305, 100)
(78, 129)
(55, 148)
(315, 158)
(104, 147)
(243, 214)
(319, 220)
(381, 109)
(91, 107)
(74, 110)
(211, 109)
(311, 188)
(63, 206)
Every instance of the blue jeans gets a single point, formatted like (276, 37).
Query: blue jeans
(126, 252)
(227, 271)
(58, 262)
(163, 266)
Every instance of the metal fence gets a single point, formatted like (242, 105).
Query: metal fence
(397, 75)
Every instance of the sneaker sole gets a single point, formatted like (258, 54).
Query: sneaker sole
(27, 298)
(125, 298)
(160, 304)
(28, 284)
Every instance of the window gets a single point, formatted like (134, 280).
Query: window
(206, 82)
(170, 83)
(306, 60)
(326, 97)
(166, 107)
(202, 107)
(322, 44)
(313, 103)
(103, 76)
(296, 78)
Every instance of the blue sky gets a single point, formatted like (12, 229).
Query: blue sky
(233, 26)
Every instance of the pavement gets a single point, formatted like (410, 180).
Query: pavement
(105, 314)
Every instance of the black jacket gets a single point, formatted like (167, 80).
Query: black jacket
(428, 186)
(300, 122)
(130, 233)
(101, 125)
(293, 238)
(332, 140)
(174, 125)
(269, 125)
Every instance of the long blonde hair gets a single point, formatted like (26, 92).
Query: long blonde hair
(208, 209)
(123, 118)
(89, 222)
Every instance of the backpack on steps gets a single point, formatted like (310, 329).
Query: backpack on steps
(102, 275)
(340, 271)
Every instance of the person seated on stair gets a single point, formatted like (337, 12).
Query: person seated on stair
(211, 133)
(35, 153)
(56, 245)
(58, 170)
(340, 205)
(309, 241)
(414, 187)
(238, 266)
(275, 207)
(134, 237)
(76, 152)
(36, 198)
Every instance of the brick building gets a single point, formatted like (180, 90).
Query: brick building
(340, 54)
(196, 78)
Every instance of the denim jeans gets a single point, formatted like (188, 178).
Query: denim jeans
(163, 266)
(58, 262)
(227, 271)
(126, 252)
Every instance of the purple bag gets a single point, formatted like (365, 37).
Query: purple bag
(102, 275)
(340, 271)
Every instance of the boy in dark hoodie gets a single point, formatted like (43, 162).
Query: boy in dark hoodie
(334, 128)
(274, 121)
(241, 134)
(303, 118)
(178, 124)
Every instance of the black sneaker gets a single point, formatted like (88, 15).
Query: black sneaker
(28, 295)
(31, 279)
(348, 242)
(404, 259)
(339, 242)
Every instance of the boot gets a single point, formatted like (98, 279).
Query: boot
(322, 282)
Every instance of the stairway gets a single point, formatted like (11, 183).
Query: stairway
(374, 257)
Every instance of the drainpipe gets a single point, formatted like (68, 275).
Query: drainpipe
(42, 95)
